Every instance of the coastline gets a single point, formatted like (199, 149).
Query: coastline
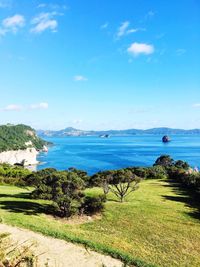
(25, 157)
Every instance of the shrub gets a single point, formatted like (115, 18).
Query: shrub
(64, 188)
(93, 204)
(156, 172)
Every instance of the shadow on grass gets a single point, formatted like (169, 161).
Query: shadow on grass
(20, 195)
(23, 206)
(186, 196)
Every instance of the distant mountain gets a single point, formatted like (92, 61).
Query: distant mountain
(76, 132)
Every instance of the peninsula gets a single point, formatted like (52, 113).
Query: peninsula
(19, 144)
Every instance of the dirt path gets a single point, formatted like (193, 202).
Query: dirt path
(58, 253)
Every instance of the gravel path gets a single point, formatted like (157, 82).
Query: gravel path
(58, 253)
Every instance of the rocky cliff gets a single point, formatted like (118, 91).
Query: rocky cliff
(25, 157)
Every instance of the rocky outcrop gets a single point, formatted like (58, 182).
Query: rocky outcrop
(25, 157)
(165, 139)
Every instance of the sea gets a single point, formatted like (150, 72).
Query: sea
(93, 154)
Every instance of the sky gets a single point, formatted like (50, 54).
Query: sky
(99, 64)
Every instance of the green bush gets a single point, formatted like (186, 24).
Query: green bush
(156, 172)
(93, 204)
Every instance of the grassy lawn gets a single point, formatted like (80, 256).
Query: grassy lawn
(156, 225)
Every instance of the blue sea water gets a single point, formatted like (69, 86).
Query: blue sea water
(93, 154)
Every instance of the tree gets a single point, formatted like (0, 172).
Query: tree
(123, 183)
(102, 179)
(164, 160)
(182, 164)
(64, 188)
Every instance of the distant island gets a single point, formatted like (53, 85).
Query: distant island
(129, 132)
(19, 144)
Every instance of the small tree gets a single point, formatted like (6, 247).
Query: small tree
(102, 179)
(67, 193)
(123, 183)
(64, 188)
(182, 164)
(164, 160)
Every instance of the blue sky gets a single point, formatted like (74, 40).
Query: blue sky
(100, 64)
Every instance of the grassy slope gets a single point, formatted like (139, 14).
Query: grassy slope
(154, 225)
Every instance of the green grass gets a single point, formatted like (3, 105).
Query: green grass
(156, 225)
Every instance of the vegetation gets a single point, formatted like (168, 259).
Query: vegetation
(12, 255)
(14, 137)
(15, 175)
(157, 225)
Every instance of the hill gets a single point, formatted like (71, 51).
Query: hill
(77, 132)
(15, 137)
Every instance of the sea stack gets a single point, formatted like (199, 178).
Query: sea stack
(165, 139)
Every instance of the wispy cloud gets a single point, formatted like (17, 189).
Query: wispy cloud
(53, 6)
(196, 105)
(140, 48)
(79, 78)
(16, 107)
(125, 30)
(12, 107)
(44, 21)
(12, 24)
(42, 105)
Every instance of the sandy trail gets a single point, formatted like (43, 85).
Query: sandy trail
(59, 253)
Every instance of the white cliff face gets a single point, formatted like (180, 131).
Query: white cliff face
(27, 156)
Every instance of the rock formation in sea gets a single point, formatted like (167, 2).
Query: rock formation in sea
(165, 139)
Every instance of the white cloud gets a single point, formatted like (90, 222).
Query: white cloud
(42, 105)
(124, 29)
(196, 105)
(12, 107)
(79, 78)
(44, 21)
(140, 48)
(13, 23)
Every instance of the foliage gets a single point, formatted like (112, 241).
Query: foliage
(14, 137)
(93, 204)
(139, 171)
(154, 226)
(181, 164)
(156, 172)
(16, 175)
(189, 179)
(165, 161)
(122, 183)
(101, 179)
(64, 188)
(82, 174)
